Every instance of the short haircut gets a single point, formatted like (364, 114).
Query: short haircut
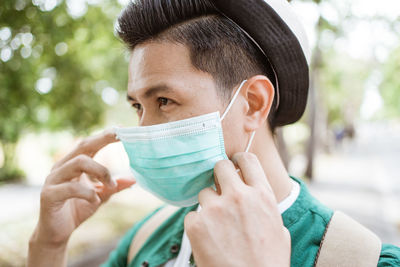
(216, 44)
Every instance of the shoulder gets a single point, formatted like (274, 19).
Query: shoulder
(118, 256)
(152, 233)
(390, 256)
(306, 221)
(306, 211)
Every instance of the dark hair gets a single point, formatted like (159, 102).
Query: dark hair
(216, 44)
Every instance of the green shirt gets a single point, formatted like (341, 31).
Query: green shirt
(306, 221)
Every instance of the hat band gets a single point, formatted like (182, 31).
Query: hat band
(269, 61)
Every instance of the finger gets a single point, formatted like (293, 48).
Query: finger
(288, 238)
(65, 191)
(217, 186)
(226, 176)
(286, 233)
(191, 224)
(78, 165)
(90, 146)
(252, 172)
(122, 183)
(207, 195)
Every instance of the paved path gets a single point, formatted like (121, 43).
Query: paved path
(18, 200)
(363, 179)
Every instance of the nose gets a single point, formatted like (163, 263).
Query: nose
(148, 119)
(144, 119)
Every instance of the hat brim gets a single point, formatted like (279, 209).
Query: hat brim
(282, 49)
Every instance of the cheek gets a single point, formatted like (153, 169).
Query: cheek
(234, 137)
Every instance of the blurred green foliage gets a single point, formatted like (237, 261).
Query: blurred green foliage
(342, 83)
(390, 87)
(342, 79)
(59, 65)
(55, 65)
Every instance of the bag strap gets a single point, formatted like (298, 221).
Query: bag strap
(149, 227)
(348, 243)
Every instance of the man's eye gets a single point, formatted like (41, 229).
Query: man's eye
(163, 101)
(137, 106)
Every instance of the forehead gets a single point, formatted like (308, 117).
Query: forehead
(153, 63)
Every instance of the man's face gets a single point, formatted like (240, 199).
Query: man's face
(164, 86)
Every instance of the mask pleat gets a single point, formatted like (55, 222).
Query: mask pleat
(189, 191)
(175, 160)
(178, 173)
(173, 146)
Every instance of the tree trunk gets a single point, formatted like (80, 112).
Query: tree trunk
(310, 151)
(9, 170)
(313, 107)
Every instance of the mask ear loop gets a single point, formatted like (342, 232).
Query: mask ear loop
(250, 141)
(233, 100)
(248, 145)
(229, 107)
(226, 112)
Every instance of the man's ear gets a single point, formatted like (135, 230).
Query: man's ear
(259, 94)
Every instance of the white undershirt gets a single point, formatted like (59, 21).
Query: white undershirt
(182, 260)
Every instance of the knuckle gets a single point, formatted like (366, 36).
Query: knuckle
(202, 193)
(104, 173)
(49, 179)
(206, 190)
(81, 159)
(44, 195)
(239, 155)
(190, 222)
(236, 191)
(83, 144)
(242, 196)
(109, 134)
(218, 165)
(249, 157)
(55, 166)
(92, 194)
(72, 188)
(265, 196)
(194, 227)
(222, 164)
(245, 157)
(238, 197)
(214, 208)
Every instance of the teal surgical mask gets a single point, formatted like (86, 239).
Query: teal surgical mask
(175, 160)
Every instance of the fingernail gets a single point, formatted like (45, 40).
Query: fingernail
(114, 130)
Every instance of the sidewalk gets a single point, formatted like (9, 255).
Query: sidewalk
(363, 180)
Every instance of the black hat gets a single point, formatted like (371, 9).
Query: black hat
(275, 29)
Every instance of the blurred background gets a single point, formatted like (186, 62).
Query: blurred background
(63, 75)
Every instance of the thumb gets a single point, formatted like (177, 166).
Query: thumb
(287, 237)
(124, 183)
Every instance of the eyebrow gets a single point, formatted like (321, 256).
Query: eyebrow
(152, 91)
